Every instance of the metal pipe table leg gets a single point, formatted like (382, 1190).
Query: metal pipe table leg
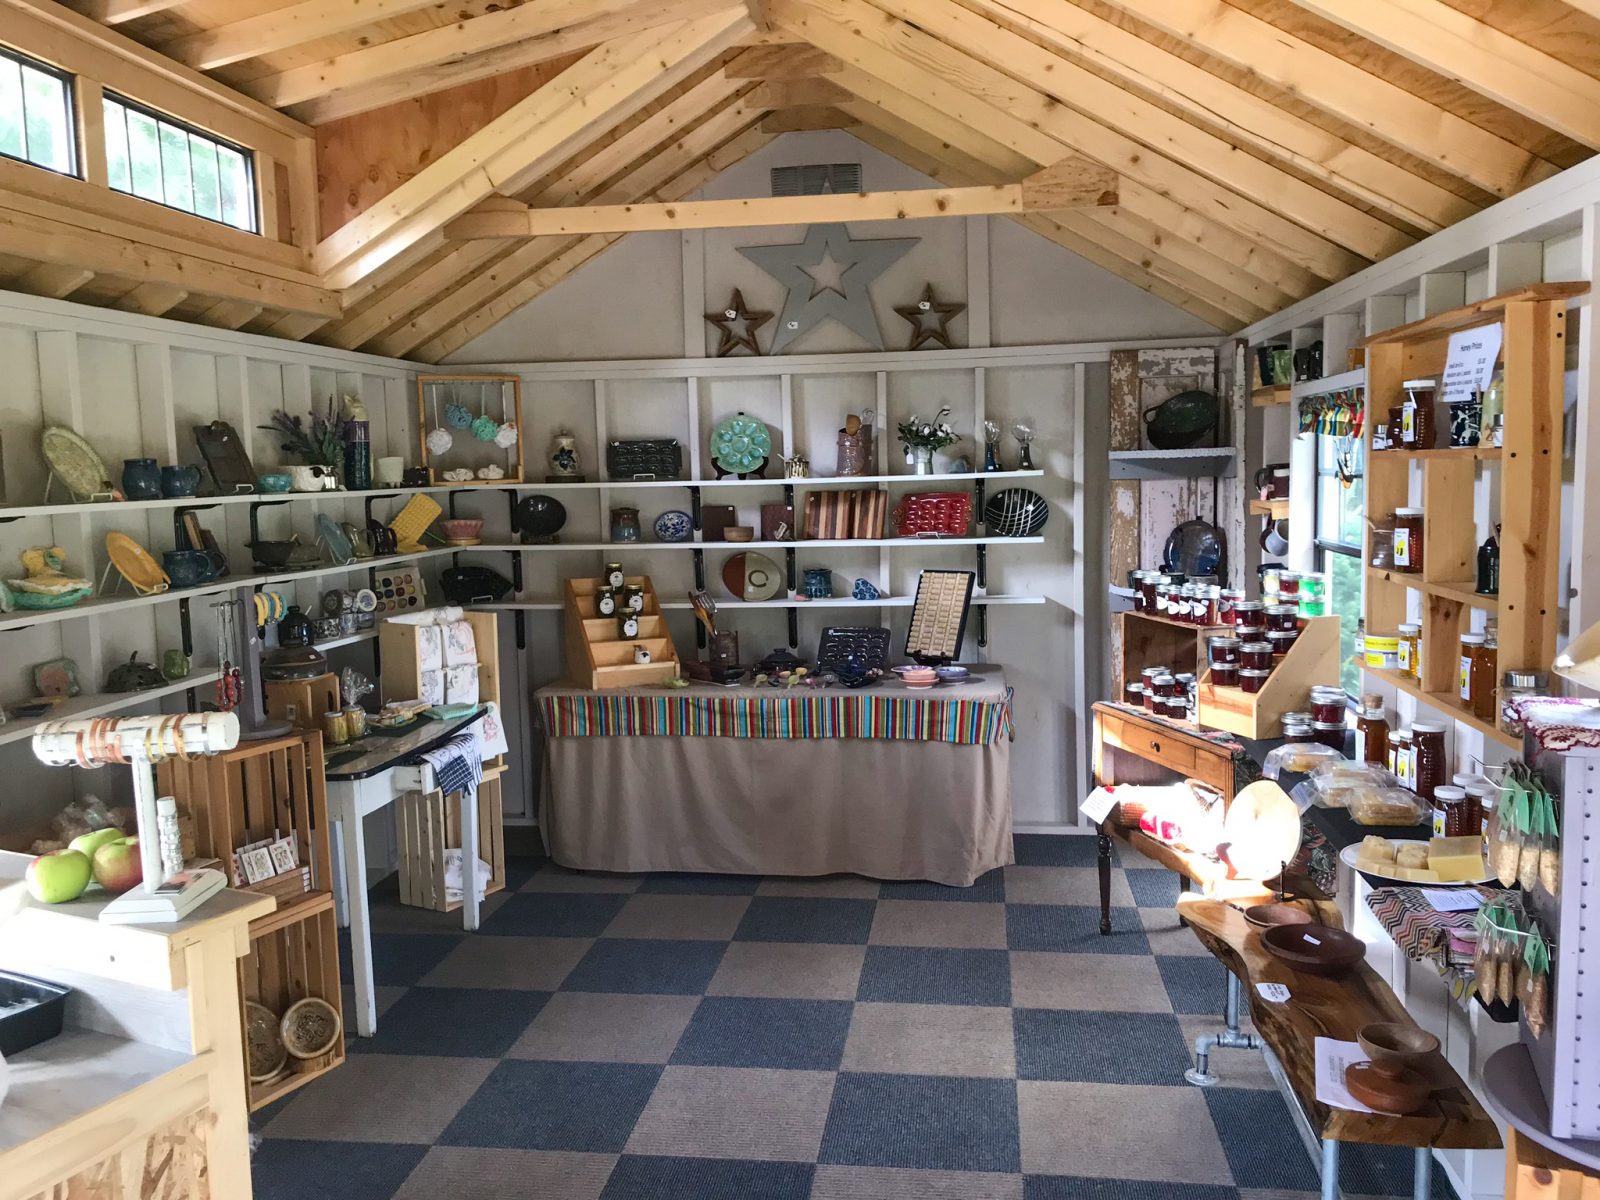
(1422, 1174)
(1229, 1039)
(1330, 1169)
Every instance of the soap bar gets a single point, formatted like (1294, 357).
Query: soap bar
(1457, 859)
(1417, 874)
(1449, 847)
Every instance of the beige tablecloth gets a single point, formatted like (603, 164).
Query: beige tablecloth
(884, 807)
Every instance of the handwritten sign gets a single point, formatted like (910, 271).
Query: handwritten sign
(1469, 365)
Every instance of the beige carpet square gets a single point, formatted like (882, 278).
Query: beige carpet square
(421, 1096)
(895, 1183)
(1064, 885)
(551, 878)
(1085, 981)
(533, 963)
(1119, 1131)
(841, 887)
(709, 918)
(735, 1112)
(600, 1027)
(955, 924)
(788, 971)
(931, 1039)
(1167, 937)
(464, 1173)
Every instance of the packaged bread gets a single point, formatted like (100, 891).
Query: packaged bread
(1384, 806)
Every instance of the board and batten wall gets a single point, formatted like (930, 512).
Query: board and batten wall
(645, 299)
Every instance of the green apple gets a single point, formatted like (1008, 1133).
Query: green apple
(88, 843)
(59, 876)
(117, 866)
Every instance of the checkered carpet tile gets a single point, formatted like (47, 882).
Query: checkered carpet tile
(695, 1037)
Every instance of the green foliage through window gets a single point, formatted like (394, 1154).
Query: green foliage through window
(160, 159)
(36, 114)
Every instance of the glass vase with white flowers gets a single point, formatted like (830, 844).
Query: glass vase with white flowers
(920, 438)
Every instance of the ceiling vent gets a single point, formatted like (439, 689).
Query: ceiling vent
(817, 179)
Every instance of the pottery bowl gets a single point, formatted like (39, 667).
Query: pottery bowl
(1394, 1046)
(274, 482)
(739, 533)
(460, 529)
(1314, 949)
(952, 674)
(1265, 916)
(273, 555)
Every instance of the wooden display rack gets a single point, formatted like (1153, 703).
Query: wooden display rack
(242, 796)
(1149, 640)
(1313, 660)
(1533, 354)
(427, 822)
(401, 676)
(598, 657)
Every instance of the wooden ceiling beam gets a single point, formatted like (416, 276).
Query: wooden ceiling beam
(1250, 120)
(1130, 120)
(119, 12)
(282, 28)
(55, 280)
(782, 62)
(1401, 118)
(229, 314)
(798, 93)
(806, 120)
(1478, 56)
(1038, 126)
(604, 87)
(152, 299)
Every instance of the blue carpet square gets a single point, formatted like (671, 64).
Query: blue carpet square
(795, 1035)
(1099, 1047)
(520, 870)
(1057, 850)
(285, 1169)
(398, 959)
(931, 1122)
(453, 1022)
(645, 966)
(1194, 984)
(1074, 929)
(1153, 888)
(691, 883)
(1082, 1187)
(555, 1106)
(636, 1176)
(989, 887)
(555, 914)
(806, 919)
(917, 975)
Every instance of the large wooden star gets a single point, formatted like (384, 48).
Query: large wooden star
(930, 319)
(828, 275)
(737, 326)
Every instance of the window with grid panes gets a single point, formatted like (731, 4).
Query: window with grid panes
(157, 158)
(1340, 517)
(36, 114)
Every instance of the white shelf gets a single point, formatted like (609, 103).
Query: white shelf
(820, 543)
(365, 635)
(1197, 461)
(793, 602)
(810, 481)
(101, 703)
(87, 508)
(1329, 384)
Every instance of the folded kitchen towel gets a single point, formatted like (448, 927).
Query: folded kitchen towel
(460, 646)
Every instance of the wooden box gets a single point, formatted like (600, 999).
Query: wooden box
(1148, 640)
(401, 676)
(288, 962)
(302, 702)
(428, 822)
(1313, 660)
(598, 656)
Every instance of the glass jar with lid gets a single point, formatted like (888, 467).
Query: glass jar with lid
(1372, 731)
(1484, 676)
(1283, 618)
(1230, 597)
(1411, 651)
(1225, 674)
(1416, 414)
(1223, 649)
(1133, 693)
(1297, 729)
(1288, 585)
(1394, 438)
(1282, 641)
(1427, 739)
(1471, 647)
(1449, 811)
(1249, 616)
(1518, 684)
(1408, 541)
(1257, 655)
(1329, 733)
(1382, 540)
(1147, 590)
(1251, 680)
(1400, 756)
(1327, 704)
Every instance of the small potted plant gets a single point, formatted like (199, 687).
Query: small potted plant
(921, 438)
(319, 443)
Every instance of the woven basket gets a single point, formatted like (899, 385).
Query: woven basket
(942, 514)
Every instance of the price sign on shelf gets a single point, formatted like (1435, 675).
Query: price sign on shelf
(1469, 365)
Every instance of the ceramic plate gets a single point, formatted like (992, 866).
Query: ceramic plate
(1348, 857)
(740, 443)
(74, 462)
(752, 577)
(674, 526)
(334, 537)
(366, 600)
(136, 565)
(1016, 512)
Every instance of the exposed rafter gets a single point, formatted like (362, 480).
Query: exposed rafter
(280, 28)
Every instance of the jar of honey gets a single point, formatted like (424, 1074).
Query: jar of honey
(1256, 656)
(1482, 678)
(1416, 414)
(1450, 811)
(1249, 616)
(1252, 681)
(1471, 646)
(1408, 540)
(1400, 761)
(1410, 649)
(1372, 731)
(1430, 770)
(1394, 437)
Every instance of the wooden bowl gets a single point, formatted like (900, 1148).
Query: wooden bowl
(1398, 1094)
(1314, 949)
(1266, 916)
(311, 1027)
(739, 533)
(1395, 1047)
(264, 1046)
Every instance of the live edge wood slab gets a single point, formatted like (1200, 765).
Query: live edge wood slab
(1319, 1006)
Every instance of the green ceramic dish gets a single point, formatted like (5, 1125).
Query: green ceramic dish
(741, 443)
(1181, 421)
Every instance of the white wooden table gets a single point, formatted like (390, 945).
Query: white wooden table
(389, 769)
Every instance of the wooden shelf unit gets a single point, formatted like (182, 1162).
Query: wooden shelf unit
(1313, 660)
(1148, 640)
(1276, 509)
(1526, 609)
(1447, 702)
(1269, 395)
(598, 656)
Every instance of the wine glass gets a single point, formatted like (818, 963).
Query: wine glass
(1023, 432)
(991, 445)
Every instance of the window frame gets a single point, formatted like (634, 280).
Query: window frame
(1326, 546)
(246, 153)
(69, 93)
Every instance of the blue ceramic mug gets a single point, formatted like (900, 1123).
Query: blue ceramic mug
(189, 568)
(817, 584)
(141, 479)
(179, 481)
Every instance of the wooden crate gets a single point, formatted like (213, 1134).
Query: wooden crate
(1148, 640)
(1313, 660)
(426, 823)
(598, 657)
(286, 963)
(302, 702)
(401, 677)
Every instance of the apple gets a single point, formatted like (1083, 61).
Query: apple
(59, 876)
(87, 843)
(117, 866)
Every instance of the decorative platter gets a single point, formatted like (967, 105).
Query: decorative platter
(136, 565)
(74, 462)
(752, 577)
(1348, 857)
(1016, 512)
(674, 525)
(335, 538)
(741, 444)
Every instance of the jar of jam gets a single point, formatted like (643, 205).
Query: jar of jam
(1411, 651)
(1408, 541)
(1431, 769)
(1269, 578)
(1296, 729)
(1303, 718)
(1224, 674)
(1416, 414)
(1283, 618)
(1227, 601)
(1327, 704)
(1450, 811)
(1166, 686)
(1147, 591)
(1249, 616)
(1289, 585)
(1213, 604)
(1165, 600)
(1282, 640)
(1223, 649)
(1251, 680)
(1329, 733)
(1372, 731)
(1149, 675)
(1133, 694)
(1256, 656)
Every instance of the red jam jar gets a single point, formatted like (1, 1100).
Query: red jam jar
(1223, 649)
(1147, 591)
(1288, 584)
(1327, 705)
(1329, 733)
(1282, 641)
(1149, 698)
(1283, 618)
(1133, 694)
(1251, 682)
(1249, 616)
(1226, 602)
(1224, 674)
(1256, 656)
(1167, 686)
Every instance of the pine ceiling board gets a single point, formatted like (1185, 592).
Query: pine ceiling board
(1552, 26)
(1420, 81)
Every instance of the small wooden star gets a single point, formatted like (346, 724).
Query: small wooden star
(737, 326)
(930, 319)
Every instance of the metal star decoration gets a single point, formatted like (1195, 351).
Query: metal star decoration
(930, 319)
(737, 326)
(828, 275)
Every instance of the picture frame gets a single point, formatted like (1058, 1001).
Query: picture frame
(443, 401)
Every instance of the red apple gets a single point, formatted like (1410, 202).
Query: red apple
(59, 876)
(117, 866)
